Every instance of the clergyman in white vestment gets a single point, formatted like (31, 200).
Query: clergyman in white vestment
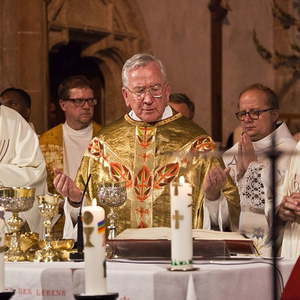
(21, 161)
(250, 165)
(289, 210)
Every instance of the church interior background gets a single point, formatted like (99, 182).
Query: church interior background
(212, 49)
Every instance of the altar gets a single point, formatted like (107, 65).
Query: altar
(136, 280)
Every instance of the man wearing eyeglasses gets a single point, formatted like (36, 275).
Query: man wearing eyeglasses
(149, 148)
(258, 113)
(63, 146)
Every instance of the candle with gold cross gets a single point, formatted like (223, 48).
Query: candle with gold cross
(93, 219)
(181, 226)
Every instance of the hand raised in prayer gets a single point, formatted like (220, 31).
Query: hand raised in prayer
(289, 208)
(214, 181)
(246, 154)
(66, 186)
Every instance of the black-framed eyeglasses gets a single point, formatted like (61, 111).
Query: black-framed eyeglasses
(253, 114)
(155, 91)
(82, 101)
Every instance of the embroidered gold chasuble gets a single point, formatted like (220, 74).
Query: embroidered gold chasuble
(51, 144)
(148, 158)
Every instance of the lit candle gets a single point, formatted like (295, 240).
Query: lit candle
(181, 225)
(2, 247)
(94, 249)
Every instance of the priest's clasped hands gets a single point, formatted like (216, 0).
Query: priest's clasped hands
(246, 154)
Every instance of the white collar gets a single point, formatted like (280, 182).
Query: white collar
(82, 131)
(281, 133)
(167, 114)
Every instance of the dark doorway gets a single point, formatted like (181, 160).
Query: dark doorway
(64, 61)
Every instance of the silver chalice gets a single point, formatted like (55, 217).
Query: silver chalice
(112, 195)
(16, 200)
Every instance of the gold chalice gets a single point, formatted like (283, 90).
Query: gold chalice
(15, 200)
(48, 205)
(112, 195)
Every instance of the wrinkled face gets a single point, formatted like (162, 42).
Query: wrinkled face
(15, 101)
(78, 116)
(183, 109)
(265, 124)
(148, 78)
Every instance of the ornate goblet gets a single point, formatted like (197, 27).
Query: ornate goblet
(48, 206)
(112, 195)
(15, 200)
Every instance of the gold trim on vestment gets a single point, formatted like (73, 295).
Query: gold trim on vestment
(156, 124)
(148, 158)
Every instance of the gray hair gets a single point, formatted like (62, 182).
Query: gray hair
(137, 61)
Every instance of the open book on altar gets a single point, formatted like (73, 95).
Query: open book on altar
(164, 233)
(154, 243)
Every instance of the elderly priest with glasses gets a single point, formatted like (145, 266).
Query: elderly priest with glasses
(149, 148)
(250, 165)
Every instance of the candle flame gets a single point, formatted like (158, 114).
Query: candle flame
(94, 202)
(181, 180)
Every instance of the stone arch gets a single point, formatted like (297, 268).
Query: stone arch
(108, 30)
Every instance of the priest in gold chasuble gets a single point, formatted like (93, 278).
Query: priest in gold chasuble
(148, 158)
(149, 148)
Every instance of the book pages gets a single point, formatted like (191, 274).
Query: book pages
(156, 233)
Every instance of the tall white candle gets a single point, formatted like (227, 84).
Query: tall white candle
(181, 225)
(2, 237)
(93, 218)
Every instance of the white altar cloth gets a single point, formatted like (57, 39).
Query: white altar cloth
(37, 281)
(149, 281)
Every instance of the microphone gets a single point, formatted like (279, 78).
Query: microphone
(79, 255)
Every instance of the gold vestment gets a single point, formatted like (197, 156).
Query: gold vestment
(51, 144)
(149, 157)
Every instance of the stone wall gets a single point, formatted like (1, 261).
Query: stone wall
(176, 31)
(23, 52)
(179, 32)
(180, 35)
(242, 64)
